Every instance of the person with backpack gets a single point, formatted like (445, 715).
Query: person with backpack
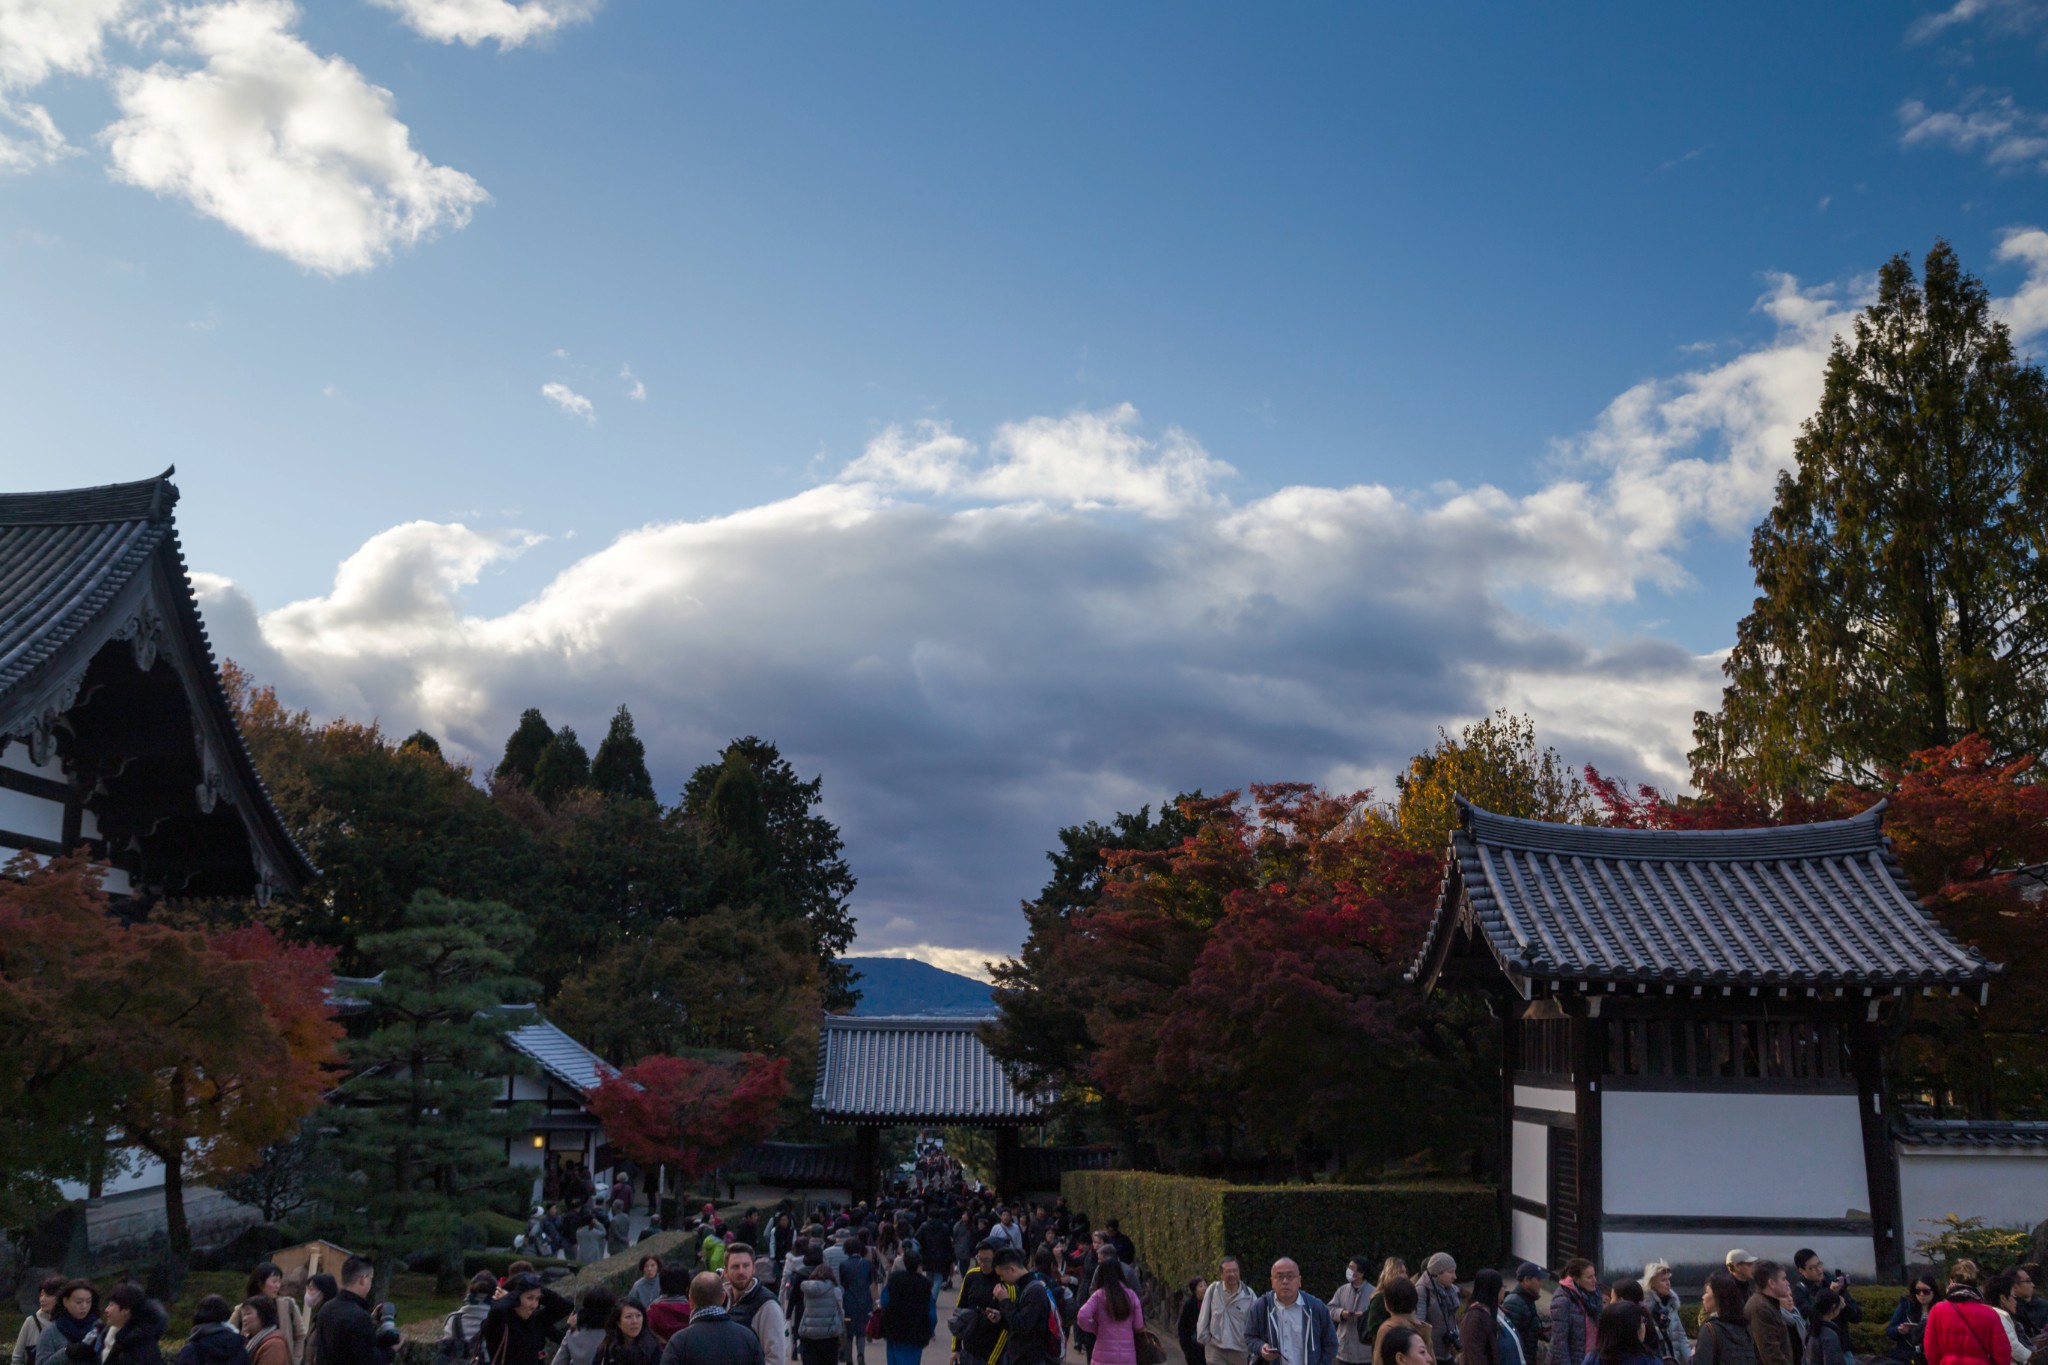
(910, 1312)
(818, 1313)
(1827, 1345)
(461, 1330)
(1723, 1337)
(582, 1342)
(1520, 1310)
(38, 1322)
(670, 1311)
(213, 1341)
(1031, 1322)
(857, 1286)
(1480, 1329)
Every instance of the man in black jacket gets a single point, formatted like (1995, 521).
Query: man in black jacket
(345, 1332)
(713, 1337)
(1027, 1310)
(980, 1342)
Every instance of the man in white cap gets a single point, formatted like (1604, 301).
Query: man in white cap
(1742, 1265)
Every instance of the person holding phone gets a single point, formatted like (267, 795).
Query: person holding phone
(1287, 1326)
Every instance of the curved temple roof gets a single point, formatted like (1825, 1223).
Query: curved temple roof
(1797, 905)
(910, 1070)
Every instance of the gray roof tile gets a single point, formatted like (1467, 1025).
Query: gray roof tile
(1807, 905)
(556, 1053)
(912, 1070)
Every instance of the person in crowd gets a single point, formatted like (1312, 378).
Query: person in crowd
(1810, 1276)
(213, 1341)
(1030, 1318)
(1125, 1247)
(1403, 1345)
(585, 1337)
(1114, 1316)
(1226, 1307)
(30, 1338)
(1391, 1269)
(1401, 1299)
(1775, 1326)
(1621, 1336)
(2032, 1315)
(1287, 1326)
(1998, 1293)
(1439, 1289)
(1347, 1311)
(670, 1311)
(857, 1286)
(910, 1312)
(647, 1288)
(715, 1336)
(1742, 1266)
(320, 1289)
(260, 1334)
(1522, 1308)
(76, 1320)
(712, 1250)
(1667, 1323)
(515, 1331)
(753, 1305)
(1480, 1328)
(345, 1332)
(461, 1326)
(1190, 1320)
(1724, 1329)
(976, 1335)
(266, 1279)
(136, 1324)
(1909, 1320)
(1006, 1233)
(1630, 1290)
(818, 1313)
(935, 1247)
(1829, 1342)
(627, 1338)
(1574, 1312)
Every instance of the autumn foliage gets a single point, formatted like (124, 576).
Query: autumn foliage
(688, 1113)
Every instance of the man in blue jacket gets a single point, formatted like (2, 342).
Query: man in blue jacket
(1288, 1327)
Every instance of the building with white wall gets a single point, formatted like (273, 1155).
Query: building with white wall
(1692, 1040)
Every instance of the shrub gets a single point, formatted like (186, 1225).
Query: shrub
(1954, 1238)
(1183, 1226)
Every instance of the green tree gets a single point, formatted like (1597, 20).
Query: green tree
(768, 849)
(614, 872)
(620, 768)
(1902, 595)
(564, 767)
(1495, 763)
(417, 1125)
(529, 740)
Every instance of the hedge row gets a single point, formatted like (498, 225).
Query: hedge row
(1182, 1226)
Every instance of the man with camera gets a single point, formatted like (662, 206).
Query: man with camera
(347, 1331)
(1812, 1278)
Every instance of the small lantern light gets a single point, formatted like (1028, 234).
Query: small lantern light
(539, 1141)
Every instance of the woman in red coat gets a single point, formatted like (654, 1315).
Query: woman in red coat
(1963, 1329)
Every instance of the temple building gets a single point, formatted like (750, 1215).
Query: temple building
(115, 735)
(1692, 1027)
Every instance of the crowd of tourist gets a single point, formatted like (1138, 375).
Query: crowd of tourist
(816, 1286)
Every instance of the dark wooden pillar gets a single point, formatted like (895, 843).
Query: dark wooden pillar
(1589, 1065)
(1510, 1007)
(1880, 1161)
(867, 1147)
(1009, 1173)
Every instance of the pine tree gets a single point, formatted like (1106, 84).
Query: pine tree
(416, 1120)
(1902, 593)
(620, 768)
(564, 766)
(528, 742)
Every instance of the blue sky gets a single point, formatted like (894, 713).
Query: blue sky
(1030, 410)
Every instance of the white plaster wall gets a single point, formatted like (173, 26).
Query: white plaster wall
(2005, 1189)
(1529, 1236)
(1531, 1161)
(1659, 1152)
(1691, 1252)
(32, 815)
(1546, 1097)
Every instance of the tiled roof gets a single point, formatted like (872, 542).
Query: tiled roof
(908, 1070)
(1916, 1131)
(556, 1053)
(1798, 905)
(66, 559)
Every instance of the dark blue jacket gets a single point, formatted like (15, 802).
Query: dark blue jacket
(1319, 1337)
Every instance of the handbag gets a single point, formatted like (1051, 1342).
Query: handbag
(1150, 1352)
(874, 1327)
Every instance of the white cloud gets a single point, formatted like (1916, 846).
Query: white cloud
(970, 962)
(297, 152)
(976, 642)
(569, 401)
(2011, 138)
(1999, 16)
(635, 390)
(479, 21)
(40, 39)
(2026, 312)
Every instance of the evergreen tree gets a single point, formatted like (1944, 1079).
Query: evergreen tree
(620, 768)
(770, 851)
(1902, 594)
(416, 1120)
(564, 766)
(421, 741)
(528, 742)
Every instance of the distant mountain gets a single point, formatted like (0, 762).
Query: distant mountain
(901, 985)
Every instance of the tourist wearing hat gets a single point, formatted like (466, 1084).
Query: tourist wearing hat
(1742, 1267)
(1522, 1310)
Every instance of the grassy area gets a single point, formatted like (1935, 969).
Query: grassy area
(414, 1294)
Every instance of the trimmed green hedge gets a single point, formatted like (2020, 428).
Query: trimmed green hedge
(1182, 1226)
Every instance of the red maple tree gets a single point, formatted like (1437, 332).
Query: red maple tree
(688, 1113)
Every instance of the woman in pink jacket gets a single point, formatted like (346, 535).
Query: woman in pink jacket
(1114, 1315)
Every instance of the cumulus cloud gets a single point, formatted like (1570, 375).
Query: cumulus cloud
(479, 21)
(2009, 137)
(297, 152)
(572, 403)
(977, 641)
(40, 39)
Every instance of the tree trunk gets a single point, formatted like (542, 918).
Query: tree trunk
(175, 1226)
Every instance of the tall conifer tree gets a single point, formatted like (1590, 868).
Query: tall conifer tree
(620, 768)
